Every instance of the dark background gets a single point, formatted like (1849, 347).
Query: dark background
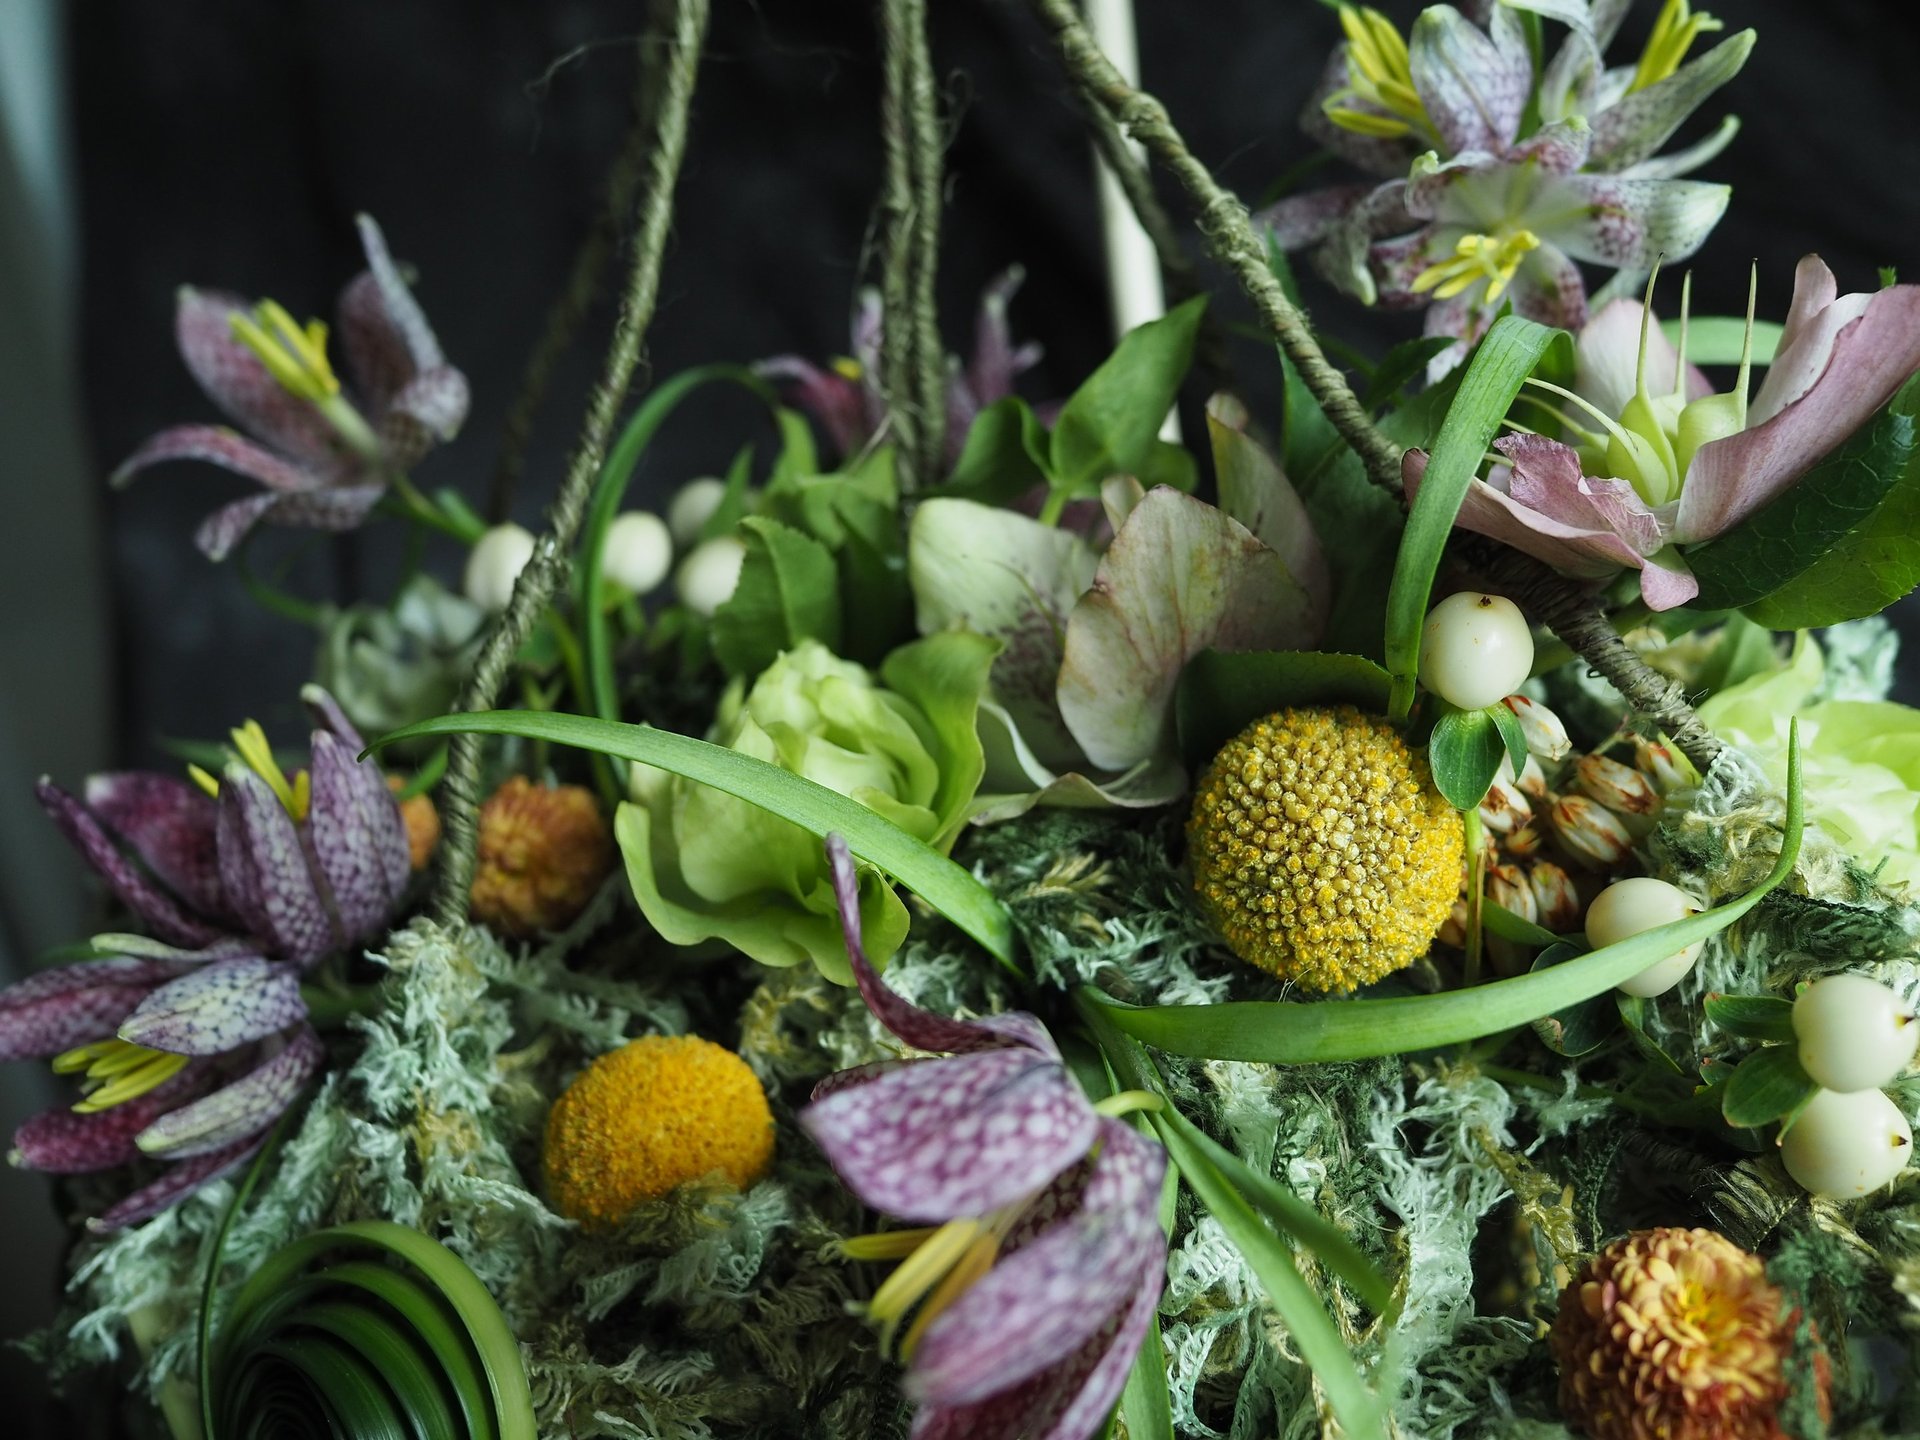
(228, 144)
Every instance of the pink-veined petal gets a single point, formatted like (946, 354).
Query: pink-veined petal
(218, 1008)
(1665, 580)
(1546, 477)
(239, 1109)
(1572, 550)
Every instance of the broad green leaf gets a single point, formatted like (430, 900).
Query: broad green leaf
(1633, 1014)
(1003, 459)
(1304, 1032)
(948, 888)
(1166, 463)
(1752, 1017)
(733, 499)
(789, 591)
(1255, 491)
(1740, 651)
(1500, 363)
(1402, 364)
(1717, 339)
(1823, 551)
(1511, 735)
(1579, 1028)
(1222, 692)
(1465, 752)
(1498, 920)
(1111, 424)
(1766, 1086)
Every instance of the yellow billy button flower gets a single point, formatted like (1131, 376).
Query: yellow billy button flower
(116, 1071)
(250, 743)
(1380, 73)
(294, 355)
(1322, 851)
(1477, 258)
(1674, 32)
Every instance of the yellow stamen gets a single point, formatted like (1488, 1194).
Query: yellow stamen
(919, 1273)
(1380, 72)
(295, 356)
(250, 742)
(886, 1245)
(1477, 258)
(116, 1071)
(847, 368)
(204, 780)
(977, 1260)
(1673, 35)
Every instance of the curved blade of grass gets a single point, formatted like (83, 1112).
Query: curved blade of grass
(359, 1403)
(1493, 377)
(1145, 1404)
(429, 1319)
(1285, 1032)
(388, 1351)
(932, 876)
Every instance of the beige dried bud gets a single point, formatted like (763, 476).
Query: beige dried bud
(1665, 766)
(1506, 806)
(1546, 736)
(1592, 834)
(1524, 843)
(1453, 929)
(1620, 788)
(1557, 904)
(1533, 780)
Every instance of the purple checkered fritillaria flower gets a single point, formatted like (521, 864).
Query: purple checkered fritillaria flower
(297, 868)
(187, 1057)
(844, 398)
(1042, 1256)
(323, 459)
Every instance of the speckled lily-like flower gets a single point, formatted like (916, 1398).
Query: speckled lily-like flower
(297, 868)
(1674, 1334)
(845, 397)
(184, 1056)
(1042, 1257)
(323, 459)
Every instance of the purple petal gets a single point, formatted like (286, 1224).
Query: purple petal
(1666, 582)
(64, 1142)
(1581, 553)
(217, 445)
(237, 1110)
(1834, 369)
(996, 360)
(136, 890)
(239, 384)
(74, 1005)
(1473, 87)
(943, 1138)
(834, 402)
(264, 868)
(427, 412)
(1375, 154)
(402, 311)
(358, 837)
(1560, 148)
(175, 1185)
(338, 507)
(1628, 224)
(170, 826)
(230, 524)
(1546, 477)
(1549, 288)
(1046, 1299)
(326, 714)
(218, 1008)
(376, 352)
(1307, 219)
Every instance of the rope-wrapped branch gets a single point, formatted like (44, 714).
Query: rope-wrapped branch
(913, 362)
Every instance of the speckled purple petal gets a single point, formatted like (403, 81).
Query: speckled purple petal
(1307, 218)
(921, 1029)
(1473, 87)
(179, 1182)
(230, 524)
(1045, 1300)
(832, 400)
(377, 359)
(239, 384)
(218, 1008)
(427, 412)
(136, 890)
(217, 445)
(242, 1108)
(359, 839)
(858, 1075)
(402, 310)
(1636, 126)
(996, 359)
(1377, 155)
(64, 1142)
(169, 824)
(74, 1005)
(265, 870)
(339, 507)
(942, 1138)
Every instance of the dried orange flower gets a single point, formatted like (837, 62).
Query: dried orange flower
(1674, 1334)
(652, 1115)
(422, 822)
(1321, 849)
(544, 849)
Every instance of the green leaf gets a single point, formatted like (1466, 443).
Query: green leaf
(1835, 545)
(789, 591)
(1145, 1404)
(1403, 363)
(1004, 457)
(733, 499)
(1498, 920)
(1465, 752)
(1579, 1028)
(1634, 1010)
(1718, 339)
(1766, 1086)
(1753, 1017)
(948, 888)
(1740, 651)
(1111, 424)
(1222, 692)
(1288, 1032)
(1511, 735)
(1502, 361)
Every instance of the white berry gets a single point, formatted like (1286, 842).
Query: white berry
(1847, 1145)
(1627, 907)
(1476, 650)
(496, 562)
(639, 551)
(1854, 1033)
(706, 579)
(692, 506)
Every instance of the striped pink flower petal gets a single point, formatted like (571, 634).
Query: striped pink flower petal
(135, 888)
(64, 1142)
(217, 445)
(169, 824)
(217, 1008)
(74, 1005)
(175, 1185)
(359, 839)
(239, 1109)
(265, 871)
(236, 381)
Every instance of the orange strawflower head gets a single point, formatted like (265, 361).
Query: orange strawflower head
(544, 849)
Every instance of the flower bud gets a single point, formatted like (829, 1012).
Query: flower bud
(1507, 887)
(638, 552)
(1506, 807)
(1523, 843)
(1620, 788)
(1592, 834)
(706, 578)
(1546, 736)
(1666, 767)
(1532, 779)
(692, 506)
(1557, 904)
(496, 562)
(1453, 929)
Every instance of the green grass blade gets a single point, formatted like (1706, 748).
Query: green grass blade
(432, 1321)
(937, 880)
(1145, 1404)
(415, 1385)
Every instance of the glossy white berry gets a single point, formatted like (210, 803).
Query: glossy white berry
(496, 562)
(1626, 908)
(1847, 1145)
(692, 506)
(639, 551)
(1854, 1033)
(706, 578)
(1476, 650)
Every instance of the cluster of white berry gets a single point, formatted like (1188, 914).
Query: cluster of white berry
(1854, 1036)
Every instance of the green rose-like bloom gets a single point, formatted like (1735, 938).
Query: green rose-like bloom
(705, 865)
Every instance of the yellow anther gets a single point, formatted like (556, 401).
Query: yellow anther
(847, 368)
(886, 1244)
(1477, 258)
(919, 1273)
(974, 1263)
(250, 742)
(1673, 35)
(116, 1071)
(295, 356)
(1380, 72)
(204, 780)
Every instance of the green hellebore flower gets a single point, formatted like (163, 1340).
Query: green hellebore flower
(705, 865)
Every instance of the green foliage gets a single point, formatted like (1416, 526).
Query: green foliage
(1006, 455)
(1768, 1085)
(789, 591)
(1464, 752)
(1111, 424)
(1222, 692)
(1579, 1028)
(1752, 1017)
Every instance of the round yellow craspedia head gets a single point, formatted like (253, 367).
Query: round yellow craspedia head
(543, 851)
(654, 1114)
(1321, 849)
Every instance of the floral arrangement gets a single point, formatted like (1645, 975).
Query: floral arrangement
(990, 921)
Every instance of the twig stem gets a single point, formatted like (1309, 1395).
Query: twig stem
(913, 362)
